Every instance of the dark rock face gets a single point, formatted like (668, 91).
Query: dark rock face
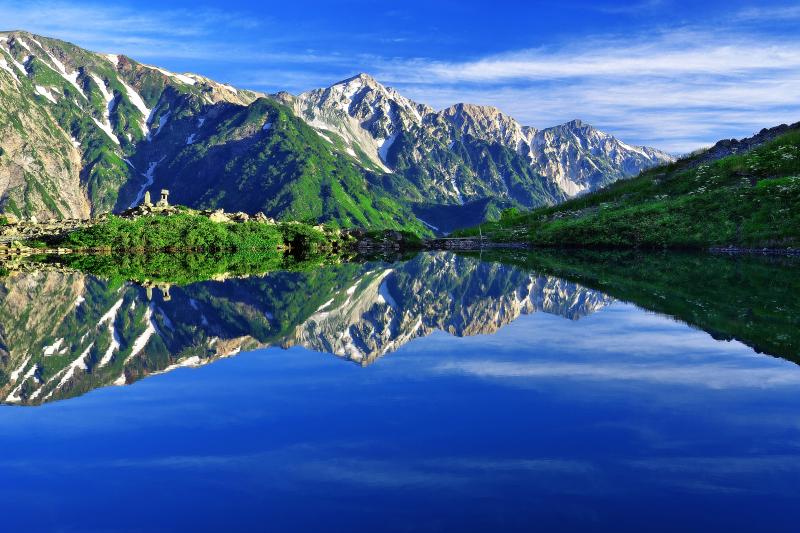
(728, 147)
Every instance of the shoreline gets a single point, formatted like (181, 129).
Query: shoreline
(475, 244)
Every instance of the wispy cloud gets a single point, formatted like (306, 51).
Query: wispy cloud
(708, 375)
(676, 87)
(769, 13)
(108, 23)
(669, 53)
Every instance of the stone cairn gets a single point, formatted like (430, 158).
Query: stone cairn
(19, 229)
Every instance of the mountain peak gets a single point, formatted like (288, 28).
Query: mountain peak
(576, 123)
(360, 77)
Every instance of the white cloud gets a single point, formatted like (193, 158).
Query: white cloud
(676, 88)
(707, 375)
(768, 14)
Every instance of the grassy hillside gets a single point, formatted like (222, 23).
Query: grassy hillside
(191, 231)
(748, 200)
(263, 158)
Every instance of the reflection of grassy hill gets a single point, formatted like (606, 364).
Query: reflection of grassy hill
(751, 299)
(185, 268)
(749, 199)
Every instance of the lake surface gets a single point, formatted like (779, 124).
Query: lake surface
(502, 391)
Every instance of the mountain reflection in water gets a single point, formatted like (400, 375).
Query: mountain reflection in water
(64, 333)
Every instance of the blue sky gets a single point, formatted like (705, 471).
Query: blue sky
(671, 74)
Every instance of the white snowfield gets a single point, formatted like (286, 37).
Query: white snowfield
(14, 397)
(111, 102)
(60, 68)
(45, 92)
(139, 104)
(183, 78)
(140, 342)
(149, 178)
(66, 374)
(110, 317)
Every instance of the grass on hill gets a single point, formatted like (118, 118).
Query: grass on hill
(191, 231)
(747, 200)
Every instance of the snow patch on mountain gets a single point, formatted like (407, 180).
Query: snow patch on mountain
(16, 63)
(23, 43)
(139, 104)
(149, 178)
(71, 77)
(162, 121)
(113, 58)
(53, 348)
(14, 397)
(140, 342)
(43, 91)
(384, 145)
(111, 102)
(5, 66)
(67, 373)
(15, 374)
(180, 77)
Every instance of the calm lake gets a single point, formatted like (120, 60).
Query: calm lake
(494, 391)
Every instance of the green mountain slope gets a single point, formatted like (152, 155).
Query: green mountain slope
(268, 160)
(747, 199)
(741, 297)
(72, 117)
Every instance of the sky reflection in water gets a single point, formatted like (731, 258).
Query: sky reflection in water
(622, 420)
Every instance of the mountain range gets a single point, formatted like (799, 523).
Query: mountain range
(83, 133)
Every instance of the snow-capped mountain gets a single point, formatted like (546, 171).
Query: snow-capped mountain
(365, 114)
(385, 309)
(369, 118)
(579, 157)
(84, 133)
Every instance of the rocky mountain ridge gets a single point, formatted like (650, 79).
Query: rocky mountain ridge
(370, 117)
